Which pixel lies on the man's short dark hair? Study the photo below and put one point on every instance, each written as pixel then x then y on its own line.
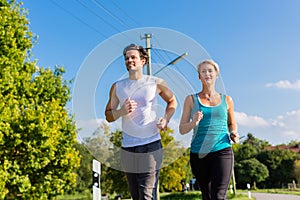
pixel 140 49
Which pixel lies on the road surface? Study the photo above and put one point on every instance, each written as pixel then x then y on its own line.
pixel 268 196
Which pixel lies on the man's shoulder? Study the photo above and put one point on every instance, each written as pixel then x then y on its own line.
pixel 121 80
pixel 157 79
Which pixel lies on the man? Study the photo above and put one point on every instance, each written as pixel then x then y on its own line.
pixel 134 99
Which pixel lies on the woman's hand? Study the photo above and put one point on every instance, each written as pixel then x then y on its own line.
pixel 197 117
pixel 234 137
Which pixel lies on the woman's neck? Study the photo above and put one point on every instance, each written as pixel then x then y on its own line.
pixel 208 93
pixel 209 90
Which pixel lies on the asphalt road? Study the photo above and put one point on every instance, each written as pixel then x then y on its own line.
pixel 265 196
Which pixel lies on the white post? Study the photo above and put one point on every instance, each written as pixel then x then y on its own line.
pixel 249 192
pixel 294 185
pixel 231 189
pixel 96 180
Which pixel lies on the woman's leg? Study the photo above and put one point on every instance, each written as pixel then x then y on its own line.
pixel 201 169
pixel 222 166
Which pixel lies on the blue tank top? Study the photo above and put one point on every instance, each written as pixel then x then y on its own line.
pixel 212 133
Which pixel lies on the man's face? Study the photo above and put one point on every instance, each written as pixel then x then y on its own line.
pixel 133 60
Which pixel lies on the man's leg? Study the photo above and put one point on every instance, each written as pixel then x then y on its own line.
pixel 148 185
pixel 150 161
pixel 133 185
pixel 142 165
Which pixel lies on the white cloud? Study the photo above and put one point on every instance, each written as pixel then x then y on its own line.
pixel 89 123
pixel 87 127
pixel 282 129
pixel 290 119
pixel 285 84
pixel 251 121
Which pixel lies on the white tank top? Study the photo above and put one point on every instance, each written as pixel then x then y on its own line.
pixel 139 127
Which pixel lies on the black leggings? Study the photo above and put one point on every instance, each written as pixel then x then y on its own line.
pixel 213 173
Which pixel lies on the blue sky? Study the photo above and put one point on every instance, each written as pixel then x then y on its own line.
pixel 256 44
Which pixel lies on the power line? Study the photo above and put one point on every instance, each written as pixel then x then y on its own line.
pixel 159 55
pixel 115 4
pixel 110 13
pixel 157 41
pixel 78 19
pixel 86 7
pixel 97 15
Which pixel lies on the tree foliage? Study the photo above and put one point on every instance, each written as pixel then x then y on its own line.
pixel 244 152
pixel 249 167
pixel 251 171
pixel 84 173
pixel 297 171
pixel 113 181
pixel 257 143
pixel 104 146
pixel 280 164
pixel 37 156
pixel 176 166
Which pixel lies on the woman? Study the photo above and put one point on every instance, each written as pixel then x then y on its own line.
pixel 211 115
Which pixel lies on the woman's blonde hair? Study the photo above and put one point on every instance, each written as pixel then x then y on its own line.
pixel 211 62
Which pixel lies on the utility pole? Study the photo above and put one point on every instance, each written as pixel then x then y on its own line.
pixel 148 48
pixel 147 36
pixel 149 72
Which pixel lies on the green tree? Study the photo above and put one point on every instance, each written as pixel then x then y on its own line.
pixel 114 181
pixel 175 165
pixel 280 164
pixel 37 135
pixel 294 143
pixel 244 152
pixel 104 146
pixel 84 173
pixel 250 171
pixel 297 171
pixel 258 144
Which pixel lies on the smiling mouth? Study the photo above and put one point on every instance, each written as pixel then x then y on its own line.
pixel 130 65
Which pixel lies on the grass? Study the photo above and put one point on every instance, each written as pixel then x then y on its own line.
pixel 163 196
pixel 195 196
pixel 180 195
pixel 279 191
pixel 87 195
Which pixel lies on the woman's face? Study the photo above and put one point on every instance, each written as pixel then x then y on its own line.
pixel 207 73
pixel 133 60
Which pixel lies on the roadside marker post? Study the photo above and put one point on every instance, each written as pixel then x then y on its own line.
pixel 96 180
pixel 249 192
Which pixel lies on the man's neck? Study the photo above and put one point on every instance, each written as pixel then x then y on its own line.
pixel 135 75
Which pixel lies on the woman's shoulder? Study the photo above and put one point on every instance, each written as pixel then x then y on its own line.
pixel 228 99
pixel 190 98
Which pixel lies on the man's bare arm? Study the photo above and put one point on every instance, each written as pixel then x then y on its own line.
pixel 112 113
